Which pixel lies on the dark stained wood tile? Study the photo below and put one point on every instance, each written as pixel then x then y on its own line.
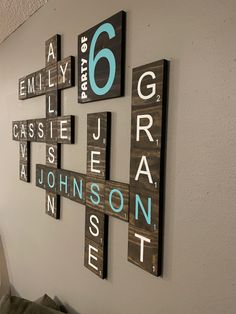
pixel 117 200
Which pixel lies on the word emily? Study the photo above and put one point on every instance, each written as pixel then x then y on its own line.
pixel 101 76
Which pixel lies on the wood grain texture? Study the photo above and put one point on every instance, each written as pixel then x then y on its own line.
pixel 24 151
pixel 50 177
pixel 116 44
pixel 24 161
pixel 149 260
pixel 117 200
pixel 31 86
pixel 53 155
pixel 53 50
pixel 52 205
pixel 63 182
pixel 53 104
pixel 98 140
pixel 23 130
pixel 66 72
pixel 22 90
pixel 41 130
pixel 149 91
pixel 77 187
pixel 52 130
pixel 97 258
pixel 98 144
pixel 16 130
pixel 95 193
pixel 96 226
pixel 40 86
pixel 48 78
pixel 40 176
pixel 51 77
pixel 32 127
pixel 96 162
pixel 24 171
pixel 66 130
pixel 98 129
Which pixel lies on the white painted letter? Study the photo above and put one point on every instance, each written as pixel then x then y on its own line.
pixel 151 86
pixel 51 204
pixel 144 127
pixel 63 71
pixel 90 256
pixel 50 52
pixel 143 239
pixel 51 152
pixel 94 161
pixel 96 137
pixel 63 129
pixel 94 217
pixel 146 172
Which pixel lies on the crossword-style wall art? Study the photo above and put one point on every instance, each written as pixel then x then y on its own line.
pixel 139 203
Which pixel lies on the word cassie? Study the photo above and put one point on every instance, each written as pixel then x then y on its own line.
pixel 58 130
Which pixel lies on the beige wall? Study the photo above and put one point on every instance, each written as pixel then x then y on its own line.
pixel 44 255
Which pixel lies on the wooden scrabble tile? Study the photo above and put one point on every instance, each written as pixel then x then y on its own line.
pixel 96 226
pixel 41 176
pixel 24 151
pixel 53 50
pixel 77 187
pixel 143 250
pixel 63 182
pixel 117 200
pixel 31 85
pixel 52 205
pixel 95 193
pixel 53 104
pixel 24 171
pixel 66 72
pixel 51 130
pixel 66 129
pixel 40 87
pixel 32 127
pixel 41 130
pixel 51 77
pixel 53 155
pixel 95 258
pixel 24 130
pixel 22 94
pixel 16 130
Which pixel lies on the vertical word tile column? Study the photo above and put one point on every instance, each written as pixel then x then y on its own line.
pixel 147 165
pixel 53 109
pixel 98 166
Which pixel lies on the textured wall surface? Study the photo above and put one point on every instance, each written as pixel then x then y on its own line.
pixel 15 12
pixel 44 255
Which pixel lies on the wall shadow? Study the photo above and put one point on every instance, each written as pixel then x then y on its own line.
pixel 4 279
